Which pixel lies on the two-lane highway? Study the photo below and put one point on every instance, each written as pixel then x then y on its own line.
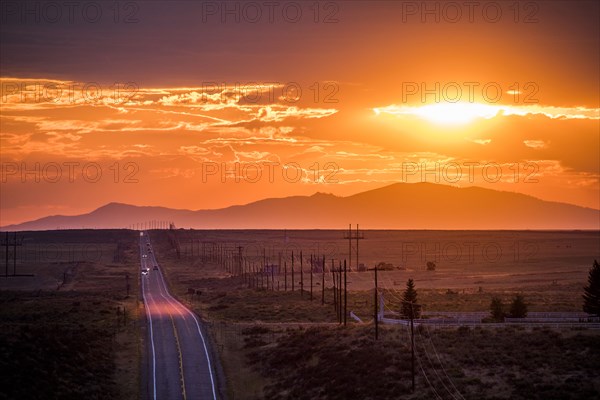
pixel 179 365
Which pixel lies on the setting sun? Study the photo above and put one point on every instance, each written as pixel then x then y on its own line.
pixel 458 113
pixel 447 114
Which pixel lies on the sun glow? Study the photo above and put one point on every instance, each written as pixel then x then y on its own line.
pixel 447 114
pixel 465 113
pixel 457 113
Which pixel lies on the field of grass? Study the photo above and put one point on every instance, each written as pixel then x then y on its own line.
pixel 70 331
pixel 338 363
pixel 551 280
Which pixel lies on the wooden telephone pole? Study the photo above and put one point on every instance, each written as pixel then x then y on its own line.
pixel 412 339
pixel 323 283
pixel 345 294
pixel 16 242
pixel 239 269
pixel 340 302
pixel 375 314
pixel 301 275
pixel 311 276
pixel 333 280
pixel 356 236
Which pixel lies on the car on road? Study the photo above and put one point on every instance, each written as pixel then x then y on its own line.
pixel 156 267
pixel 145 271
pixel 144 256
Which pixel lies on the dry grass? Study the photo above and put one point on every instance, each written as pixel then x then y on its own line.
pixel 94 349
pixel 243 382
pixel 492 364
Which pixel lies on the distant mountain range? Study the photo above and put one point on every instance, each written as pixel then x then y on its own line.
pixel 397 206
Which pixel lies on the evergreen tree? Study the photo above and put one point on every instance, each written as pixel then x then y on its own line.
pixel 410 296
pixel 497 309
pixel 591 293
pixel 518 308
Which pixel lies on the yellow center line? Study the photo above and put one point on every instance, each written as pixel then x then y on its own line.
pixel 180 358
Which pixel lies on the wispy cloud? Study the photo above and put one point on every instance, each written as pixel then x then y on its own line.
pixel 535 144
pixel 466 112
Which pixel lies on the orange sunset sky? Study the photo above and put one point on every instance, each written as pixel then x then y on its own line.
pixel 186 105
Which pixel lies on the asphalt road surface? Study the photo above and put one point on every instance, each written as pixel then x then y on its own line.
pixel 179 365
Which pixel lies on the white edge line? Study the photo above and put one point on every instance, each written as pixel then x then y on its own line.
pixel 178 310
pixel 212 381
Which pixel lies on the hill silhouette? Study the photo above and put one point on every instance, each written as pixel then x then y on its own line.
pixel 397 206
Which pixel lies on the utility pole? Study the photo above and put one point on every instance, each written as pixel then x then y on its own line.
pixel 323 283
pixel 412 339
pixel 412 345
pixel 239 259
pixel 15 254
pixel 356 236
pixel 311 276
pixel 340 309
pixel 14 244
pixel 301 275
pixel 272 277
pixel 293 279
pixel 333 279
pixel 345 295
pixel 6 247
pixel 350 246
pixel 264 267
pixel 375 316
pixel 285 275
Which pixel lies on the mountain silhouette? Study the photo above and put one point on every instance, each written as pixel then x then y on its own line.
pixel 397 206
